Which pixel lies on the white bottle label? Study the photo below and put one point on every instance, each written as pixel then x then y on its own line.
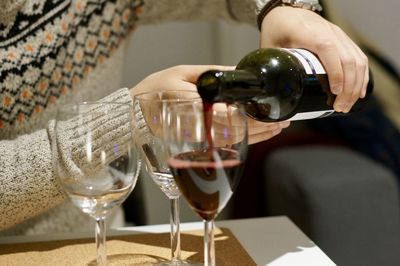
pixel 310 62
pixel 311 65
pixel 311 115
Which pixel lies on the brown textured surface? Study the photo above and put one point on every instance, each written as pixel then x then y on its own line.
pixel 139 249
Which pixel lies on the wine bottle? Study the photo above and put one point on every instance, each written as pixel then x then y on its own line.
pixel 275 84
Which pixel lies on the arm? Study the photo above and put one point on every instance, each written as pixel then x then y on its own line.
pixel 27 183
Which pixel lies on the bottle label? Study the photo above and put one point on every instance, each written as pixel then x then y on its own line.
pixel 311 63
pixel 312 66
pixel 311 115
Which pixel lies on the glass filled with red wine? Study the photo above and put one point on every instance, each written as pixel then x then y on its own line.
pixel 207 147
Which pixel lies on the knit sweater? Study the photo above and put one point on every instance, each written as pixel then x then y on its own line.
pixel 54 52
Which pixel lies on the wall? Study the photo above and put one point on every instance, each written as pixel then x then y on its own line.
pixel 377 20
pixel 153 48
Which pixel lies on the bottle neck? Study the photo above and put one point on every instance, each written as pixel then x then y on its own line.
pixel 229 86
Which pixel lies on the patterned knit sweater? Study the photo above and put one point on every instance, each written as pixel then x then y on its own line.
pixel 54 52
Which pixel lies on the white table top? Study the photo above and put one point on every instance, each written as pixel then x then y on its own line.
pixel 273 241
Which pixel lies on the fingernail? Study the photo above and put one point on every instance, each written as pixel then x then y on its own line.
pixel 347 109
pixel 285 124
pixel 336 89
pixel 276 132
pixel 340 107
pixel 363 94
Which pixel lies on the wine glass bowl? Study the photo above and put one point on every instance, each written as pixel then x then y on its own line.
pixel 150 111
pixel 99 194
pixel 95 159
pixel 207 147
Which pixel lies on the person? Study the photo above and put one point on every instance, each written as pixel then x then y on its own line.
pixel 374 132
pixel 58 52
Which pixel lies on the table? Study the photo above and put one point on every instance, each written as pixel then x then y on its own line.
pixel 272 241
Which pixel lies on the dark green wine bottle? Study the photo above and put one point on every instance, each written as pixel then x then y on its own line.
pixel 275 84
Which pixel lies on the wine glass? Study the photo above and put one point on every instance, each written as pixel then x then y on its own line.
pixel 150 110
pixel 95 160
pixel 208 147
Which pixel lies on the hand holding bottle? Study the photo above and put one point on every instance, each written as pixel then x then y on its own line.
pixel 344 62
pixel 185 77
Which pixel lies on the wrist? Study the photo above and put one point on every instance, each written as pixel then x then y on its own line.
pixel 312 5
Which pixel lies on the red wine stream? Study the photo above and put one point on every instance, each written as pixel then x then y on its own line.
pixel 207 112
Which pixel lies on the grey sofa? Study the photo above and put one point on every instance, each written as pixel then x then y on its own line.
pixel 347 204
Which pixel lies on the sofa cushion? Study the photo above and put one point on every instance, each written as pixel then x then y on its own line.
pixel 348 204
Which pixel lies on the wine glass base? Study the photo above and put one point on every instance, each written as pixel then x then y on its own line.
pixel 178 263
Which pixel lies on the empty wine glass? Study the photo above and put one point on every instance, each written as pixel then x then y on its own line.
pixel 95 159
pixel 150 110
pixel 207 147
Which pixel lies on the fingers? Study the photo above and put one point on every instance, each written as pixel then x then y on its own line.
pixel 179 85
pixel 261 127
pixel 365 83
pixel 255 133
pixel 354 65
pixel 263 136
pixel 259 131
pixel 346 65
pixel 223 140
pixel 228 124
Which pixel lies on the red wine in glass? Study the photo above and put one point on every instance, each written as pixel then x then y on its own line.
pixel 207 113
pixel 207 178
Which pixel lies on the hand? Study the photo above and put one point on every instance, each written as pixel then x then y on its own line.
pixel 261 131
pixel 257 131
pixel 182 77
pixel 185 77
pixel 344 62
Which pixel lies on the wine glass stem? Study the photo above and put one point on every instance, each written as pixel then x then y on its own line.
pixel 175 230
pixel 209 248
pixel 101 242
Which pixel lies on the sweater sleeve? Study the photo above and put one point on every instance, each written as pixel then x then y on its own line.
pixel 155 11
pixel 28 185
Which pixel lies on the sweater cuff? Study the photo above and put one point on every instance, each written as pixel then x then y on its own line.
pixel 119 96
